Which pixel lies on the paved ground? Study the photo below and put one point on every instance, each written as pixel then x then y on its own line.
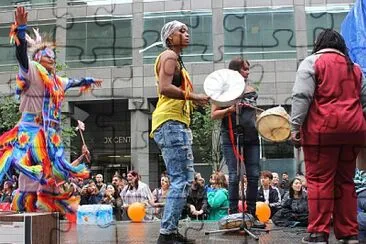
pixel 135 233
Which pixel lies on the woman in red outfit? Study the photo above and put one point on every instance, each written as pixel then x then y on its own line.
pixel 328 122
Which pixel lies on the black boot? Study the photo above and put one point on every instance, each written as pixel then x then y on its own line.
pixel 174 238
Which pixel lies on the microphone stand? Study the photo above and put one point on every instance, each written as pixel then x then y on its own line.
pixel 239 163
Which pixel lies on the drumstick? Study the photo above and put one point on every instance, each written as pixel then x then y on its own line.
pixel 251 106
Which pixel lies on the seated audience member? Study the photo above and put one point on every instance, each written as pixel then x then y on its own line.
pixel 197 207
pixel 137 191
pixel 276 185
pixel 6 196
pixel 218 198
pixel 285 185
pixel 210 186
pixel 244 183
pixel 303 182
pixel 267 194
pixel 108 197
pixel 159 195
pixel 100 184
pixel 360 185
pixel 294 209
pixel 118 185
pixel 90 194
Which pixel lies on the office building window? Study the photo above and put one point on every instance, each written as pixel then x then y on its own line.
pixel 260 33
pixel 322 17
pixel 99 41
pixel 96 2
pixel 200 31
pixel 9 4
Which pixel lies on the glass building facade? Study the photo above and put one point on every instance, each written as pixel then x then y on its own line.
pixel 260 33
pixel 200 31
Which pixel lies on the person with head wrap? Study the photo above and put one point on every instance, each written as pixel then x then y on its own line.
pixel 170 125
pixel 34 146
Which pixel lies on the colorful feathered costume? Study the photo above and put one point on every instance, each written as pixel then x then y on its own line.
pixel 34 147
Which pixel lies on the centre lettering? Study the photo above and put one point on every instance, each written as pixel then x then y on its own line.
pixel 117 140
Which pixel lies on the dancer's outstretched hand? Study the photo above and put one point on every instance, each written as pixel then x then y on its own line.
pixel 21 16
pixel 98 82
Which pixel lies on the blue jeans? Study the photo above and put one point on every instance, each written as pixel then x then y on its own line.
pixel 252 168
pixel 175 142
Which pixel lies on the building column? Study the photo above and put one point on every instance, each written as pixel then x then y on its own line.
pixel 301 54
pixel 61 10
pixel 61 22
pixel 218 34
pixel 300 30
pixel 140 137
pixel 138 104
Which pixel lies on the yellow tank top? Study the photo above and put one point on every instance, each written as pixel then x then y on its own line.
pixel 170 108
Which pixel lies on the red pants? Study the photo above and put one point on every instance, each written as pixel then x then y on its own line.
pixel 331 191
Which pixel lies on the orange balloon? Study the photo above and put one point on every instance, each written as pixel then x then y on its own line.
pixel 136 211
pixel 263 211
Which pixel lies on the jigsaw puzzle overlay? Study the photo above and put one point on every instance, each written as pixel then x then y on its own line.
pixel 102 39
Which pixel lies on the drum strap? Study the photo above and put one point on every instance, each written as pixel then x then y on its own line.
pixel 231 134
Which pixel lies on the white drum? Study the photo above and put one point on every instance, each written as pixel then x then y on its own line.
pixel 274 124
pixel 224 87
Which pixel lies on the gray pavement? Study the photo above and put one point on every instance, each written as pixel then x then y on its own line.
pixel 148 232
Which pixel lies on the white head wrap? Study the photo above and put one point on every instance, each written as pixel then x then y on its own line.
pixel 168 29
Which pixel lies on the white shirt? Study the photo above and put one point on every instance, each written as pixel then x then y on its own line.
pixel 266 195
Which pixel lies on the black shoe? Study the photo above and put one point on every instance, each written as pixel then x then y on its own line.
pixel 316 238
pixel 183 239
pixel 174 238
pixel 349 240
pixel 166 239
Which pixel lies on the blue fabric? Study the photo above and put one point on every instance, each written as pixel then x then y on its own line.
pixel 21 31
pixel 353 31
pixel 77 83
pixel 175 142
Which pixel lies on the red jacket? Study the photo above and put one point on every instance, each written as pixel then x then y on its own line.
pixel 335 113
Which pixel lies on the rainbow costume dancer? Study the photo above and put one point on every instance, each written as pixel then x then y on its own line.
pixel 34 147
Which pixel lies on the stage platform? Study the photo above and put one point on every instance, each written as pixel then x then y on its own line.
pixel 148 232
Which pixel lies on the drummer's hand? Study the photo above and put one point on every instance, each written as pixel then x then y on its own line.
pixel 231 109
pixel 199 99
pixel 296 138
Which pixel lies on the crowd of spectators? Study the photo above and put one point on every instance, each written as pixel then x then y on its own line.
pixel 205 201
pixel 286 198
